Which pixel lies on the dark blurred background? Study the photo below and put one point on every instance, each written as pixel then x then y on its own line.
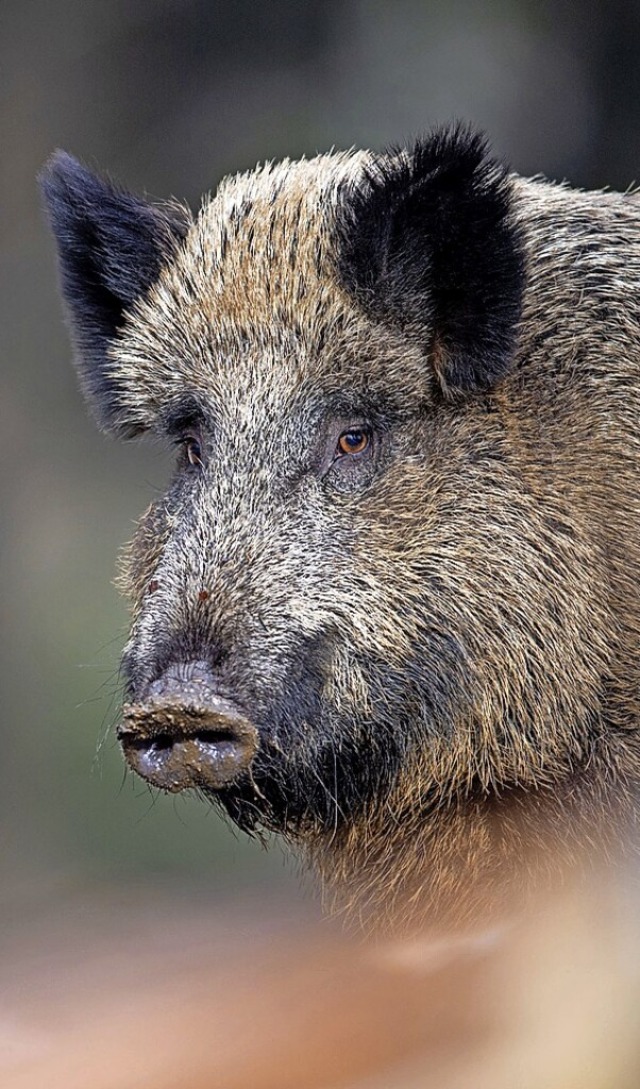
pixel 168 96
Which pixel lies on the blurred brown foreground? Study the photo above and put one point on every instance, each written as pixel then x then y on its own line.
pixel 107 990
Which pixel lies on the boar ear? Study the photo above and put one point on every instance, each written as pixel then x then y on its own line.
pixel 427 242
pixel 111 248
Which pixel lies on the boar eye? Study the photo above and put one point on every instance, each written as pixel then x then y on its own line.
pixel 354 441
pixel 193 450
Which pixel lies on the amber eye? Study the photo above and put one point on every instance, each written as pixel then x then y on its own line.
pixel 194 452
pixel 353 442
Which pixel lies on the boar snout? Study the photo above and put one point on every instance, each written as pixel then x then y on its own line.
pixel 184 735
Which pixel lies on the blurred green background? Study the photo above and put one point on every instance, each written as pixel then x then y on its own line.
pixel 168 96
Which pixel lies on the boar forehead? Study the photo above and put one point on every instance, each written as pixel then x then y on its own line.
pixel 252 308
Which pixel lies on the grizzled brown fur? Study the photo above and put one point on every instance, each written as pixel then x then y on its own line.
pixel 437 637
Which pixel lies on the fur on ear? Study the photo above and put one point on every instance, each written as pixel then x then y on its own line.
pixel 111 248
pixel 427 242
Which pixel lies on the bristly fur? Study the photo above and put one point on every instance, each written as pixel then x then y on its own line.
pixel 437 641
pixel 111 248
pixel 428 241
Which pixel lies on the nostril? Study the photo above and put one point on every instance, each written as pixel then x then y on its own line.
pixel 162 741
pixel 212 737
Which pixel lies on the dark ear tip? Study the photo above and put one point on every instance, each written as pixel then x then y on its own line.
pixel 64 179
pixel 59 167
pixel 60 161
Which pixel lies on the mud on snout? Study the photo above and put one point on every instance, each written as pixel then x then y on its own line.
pixel 184 735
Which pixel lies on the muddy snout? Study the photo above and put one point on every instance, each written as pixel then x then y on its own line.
pixel 183 735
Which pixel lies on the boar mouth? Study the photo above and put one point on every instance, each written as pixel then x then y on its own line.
pixel 181 746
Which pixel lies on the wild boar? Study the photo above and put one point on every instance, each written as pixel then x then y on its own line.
pixel 389 605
